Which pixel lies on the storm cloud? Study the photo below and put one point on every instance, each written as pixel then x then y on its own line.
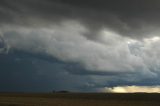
pixel 107 42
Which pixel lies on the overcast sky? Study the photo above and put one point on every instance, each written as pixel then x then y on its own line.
pixel 79 45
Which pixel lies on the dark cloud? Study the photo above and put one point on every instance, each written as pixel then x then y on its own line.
pixel 78 69
pixel 2 43
pixel 26 72
pixel 133 18
pixel 78 44
pixel 127 17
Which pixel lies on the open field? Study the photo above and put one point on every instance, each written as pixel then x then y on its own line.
pixel 79 99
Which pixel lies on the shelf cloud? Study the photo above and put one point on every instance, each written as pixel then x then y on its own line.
pixel 107 42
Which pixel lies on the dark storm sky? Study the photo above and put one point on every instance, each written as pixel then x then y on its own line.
pixel 80 45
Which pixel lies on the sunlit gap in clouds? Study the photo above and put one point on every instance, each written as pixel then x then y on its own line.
pixel 132 89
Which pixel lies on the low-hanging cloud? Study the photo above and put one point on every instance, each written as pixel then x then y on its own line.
pixel 111 42
pixel 110 53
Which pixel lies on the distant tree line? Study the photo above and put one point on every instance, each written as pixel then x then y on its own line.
pixel 62 91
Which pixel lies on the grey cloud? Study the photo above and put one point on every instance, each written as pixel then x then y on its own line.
pixel 25 72
pixel 3 46
pixel 71 46
pixel 130 18
pixel 101 38
pixel 37 73
pixel 111 55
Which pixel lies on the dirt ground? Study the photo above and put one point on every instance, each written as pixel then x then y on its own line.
pixel 79 99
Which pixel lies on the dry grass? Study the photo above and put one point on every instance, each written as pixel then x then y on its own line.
pixel 72 99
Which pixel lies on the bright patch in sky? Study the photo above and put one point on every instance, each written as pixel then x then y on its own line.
pixel 133 89
pixel 153 39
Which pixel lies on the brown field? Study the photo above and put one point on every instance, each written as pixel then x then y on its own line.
pixel 79 99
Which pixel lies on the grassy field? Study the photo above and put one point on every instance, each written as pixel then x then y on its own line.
pixel 79 99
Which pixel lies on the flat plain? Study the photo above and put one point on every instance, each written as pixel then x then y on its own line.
pixel 79 99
